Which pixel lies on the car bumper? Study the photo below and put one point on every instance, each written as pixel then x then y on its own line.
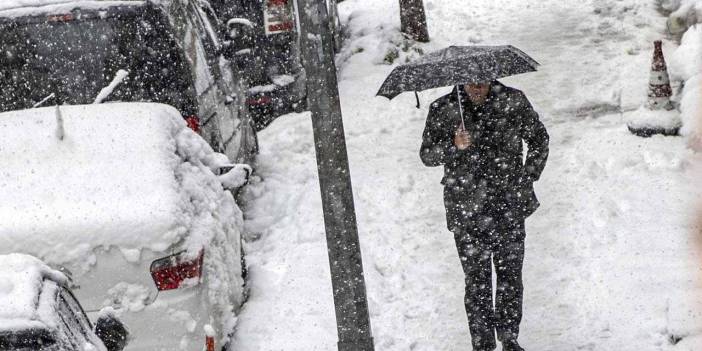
pixel 175 321
pixel 267 102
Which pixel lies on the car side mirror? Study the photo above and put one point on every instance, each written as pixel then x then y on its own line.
pixel 111 330
pixel 239 47
pixel 235 176
pixel 241 31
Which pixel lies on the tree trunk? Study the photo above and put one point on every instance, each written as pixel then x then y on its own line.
pixel 414 20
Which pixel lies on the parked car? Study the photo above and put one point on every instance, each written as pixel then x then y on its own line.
pixel 38 311
pixel 269 30
pixel 67 52
pixel 127 198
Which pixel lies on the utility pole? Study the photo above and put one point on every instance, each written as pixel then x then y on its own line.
pixel 349 288
pixel 413 20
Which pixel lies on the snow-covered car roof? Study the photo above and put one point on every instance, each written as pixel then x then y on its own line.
pixel 22 280
pixel 124 175
pixel 21 8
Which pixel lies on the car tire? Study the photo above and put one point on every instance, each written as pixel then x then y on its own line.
pixel 244 272
pixel 254 147
pixel 300 106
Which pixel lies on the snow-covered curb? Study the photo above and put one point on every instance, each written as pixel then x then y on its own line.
pixel 646 121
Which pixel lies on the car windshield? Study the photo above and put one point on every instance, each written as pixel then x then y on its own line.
pixel 74 59
pixel 30 339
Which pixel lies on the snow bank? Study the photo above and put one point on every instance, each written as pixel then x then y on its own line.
pixel 692 112
pixel 130 176
pixel 685 13
pixel 21 281
pixel 686 65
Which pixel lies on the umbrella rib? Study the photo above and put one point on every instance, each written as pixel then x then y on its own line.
pixel 460 107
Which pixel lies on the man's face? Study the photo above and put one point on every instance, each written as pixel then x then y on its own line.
pixel 477 92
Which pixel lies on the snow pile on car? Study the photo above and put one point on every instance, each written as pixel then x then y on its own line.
pixel 21 281
pixel 20 8
pixel 125 175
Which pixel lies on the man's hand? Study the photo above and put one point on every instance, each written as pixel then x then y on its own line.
pixel 462 139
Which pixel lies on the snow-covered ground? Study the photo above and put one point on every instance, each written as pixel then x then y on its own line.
pixel 612 256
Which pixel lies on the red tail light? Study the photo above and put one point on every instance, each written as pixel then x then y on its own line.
pixel 257 101
pixel 193 123
pixel 279 16
pixel 170 272
pixel 281 27
pixel 60 18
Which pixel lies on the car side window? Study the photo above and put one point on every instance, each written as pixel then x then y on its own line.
pixel 206 23
pixel 195 53
pixel 77 310
pixel 74 329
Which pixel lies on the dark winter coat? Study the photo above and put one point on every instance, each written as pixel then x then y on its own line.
pixel 488 182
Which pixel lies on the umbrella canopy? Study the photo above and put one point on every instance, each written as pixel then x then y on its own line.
pixel 457 65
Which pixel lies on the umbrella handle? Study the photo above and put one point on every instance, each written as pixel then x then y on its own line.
pixel 460 107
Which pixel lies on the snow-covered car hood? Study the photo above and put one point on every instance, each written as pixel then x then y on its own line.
pixel 130 176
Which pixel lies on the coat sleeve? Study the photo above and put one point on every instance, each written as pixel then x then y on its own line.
pixel 533 132
pixel 437 140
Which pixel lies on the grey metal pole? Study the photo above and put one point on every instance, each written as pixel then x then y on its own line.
pixel 349 289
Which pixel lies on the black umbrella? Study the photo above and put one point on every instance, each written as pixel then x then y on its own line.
pixel 457 65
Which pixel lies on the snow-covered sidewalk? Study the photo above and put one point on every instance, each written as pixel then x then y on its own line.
pixel 612 257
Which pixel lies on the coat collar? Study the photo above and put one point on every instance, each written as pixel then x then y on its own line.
pixel 495 88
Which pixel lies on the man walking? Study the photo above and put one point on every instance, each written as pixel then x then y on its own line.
pixel 476 133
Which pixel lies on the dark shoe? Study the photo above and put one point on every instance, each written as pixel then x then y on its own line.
pixel 511 345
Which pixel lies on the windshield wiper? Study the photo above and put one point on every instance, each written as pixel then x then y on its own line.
pixel 106 91
pixel 44 100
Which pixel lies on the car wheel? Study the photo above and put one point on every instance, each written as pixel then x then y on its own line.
pixel 300 106
pixel 252 140
pixel 244 271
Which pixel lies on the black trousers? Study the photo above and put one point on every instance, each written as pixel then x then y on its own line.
pixel 478 249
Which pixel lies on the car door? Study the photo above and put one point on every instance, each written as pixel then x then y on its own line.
pixel 203 77
pixel 232 109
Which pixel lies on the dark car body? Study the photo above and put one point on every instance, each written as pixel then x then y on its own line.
pixel 172 53
pixel 54 319
pixel 72 332
pixel 276 75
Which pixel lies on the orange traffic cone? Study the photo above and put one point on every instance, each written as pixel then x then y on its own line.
pixel 658 116
pixel 659 91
